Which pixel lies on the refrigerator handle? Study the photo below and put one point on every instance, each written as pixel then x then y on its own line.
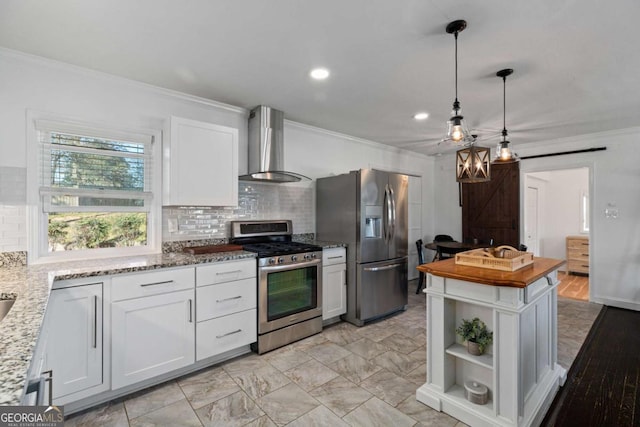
pixel 392 197
pixel 385 214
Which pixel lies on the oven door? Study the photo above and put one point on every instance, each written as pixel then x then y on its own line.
pixel 288 294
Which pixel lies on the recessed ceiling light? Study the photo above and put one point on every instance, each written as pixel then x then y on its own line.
pixel 319 73
pixel 421 116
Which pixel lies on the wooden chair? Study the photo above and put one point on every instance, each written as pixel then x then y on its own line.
pixel 421 277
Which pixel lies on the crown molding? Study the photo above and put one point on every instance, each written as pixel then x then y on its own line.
pixel 355 139
pixel 42 61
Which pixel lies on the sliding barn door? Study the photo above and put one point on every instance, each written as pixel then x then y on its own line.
pixel 491 210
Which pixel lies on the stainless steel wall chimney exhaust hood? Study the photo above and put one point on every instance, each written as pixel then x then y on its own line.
pixel 266 147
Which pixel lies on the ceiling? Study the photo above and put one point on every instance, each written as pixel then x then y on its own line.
pixel 576 62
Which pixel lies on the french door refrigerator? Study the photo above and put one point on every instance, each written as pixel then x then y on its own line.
pixel 367 210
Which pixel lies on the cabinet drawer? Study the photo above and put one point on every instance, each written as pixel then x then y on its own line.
pixel 155 282
pixel 226 333
pixel 577 255
pixel 578 266
pixel 334 256
pixel 225 298
pixel 579 244
pixel 225 272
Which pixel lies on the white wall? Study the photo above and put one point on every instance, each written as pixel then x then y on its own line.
pixel 614 179
pixel 32 83
pixel 561 208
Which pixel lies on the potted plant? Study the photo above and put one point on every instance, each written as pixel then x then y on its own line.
pixel 476 334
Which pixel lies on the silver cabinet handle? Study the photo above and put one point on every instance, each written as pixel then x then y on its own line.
pixel 335 257
pixel 220 273
pixel 49 379
pixel 95 321
pixel 229 299
pixel 229 333
pixel 190 310
pixel 386 267
pixel 166 282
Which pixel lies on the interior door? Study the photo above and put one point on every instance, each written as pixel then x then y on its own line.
pixel 531 220
pixel 491 210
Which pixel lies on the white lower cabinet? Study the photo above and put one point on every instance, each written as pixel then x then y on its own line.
pixel 102 338
pixel 153 334
pixel 225 333
pixel 74 351
pixel 334 282
pixel 226 309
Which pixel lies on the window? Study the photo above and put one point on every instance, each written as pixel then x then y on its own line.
pixel 584 211
pixel 95 192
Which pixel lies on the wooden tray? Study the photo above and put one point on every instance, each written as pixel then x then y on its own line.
pixel 512 259
pixel 209 249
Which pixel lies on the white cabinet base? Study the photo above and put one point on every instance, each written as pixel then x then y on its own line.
pixel 520 368
pixel 455 404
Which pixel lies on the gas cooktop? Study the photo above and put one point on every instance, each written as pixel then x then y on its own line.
pixel 269 249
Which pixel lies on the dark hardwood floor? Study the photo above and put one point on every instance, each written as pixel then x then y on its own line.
pixel 603 384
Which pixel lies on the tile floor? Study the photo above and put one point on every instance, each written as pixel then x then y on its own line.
pixel 345 376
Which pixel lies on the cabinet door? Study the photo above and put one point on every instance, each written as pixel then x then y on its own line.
pixel 334 290
pixel 203 164
pixel 74 345
pixel 151 336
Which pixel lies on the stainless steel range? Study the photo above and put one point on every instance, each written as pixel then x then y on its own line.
pixel 289 282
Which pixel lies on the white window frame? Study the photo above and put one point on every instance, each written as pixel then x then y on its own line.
pixel 37 230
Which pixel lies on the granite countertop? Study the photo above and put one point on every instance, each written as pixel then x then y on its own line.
pixel 32 284
pixel 324 244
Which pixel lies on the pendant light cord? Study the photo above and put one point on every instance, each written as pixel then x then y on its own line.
pixel 504 104
pixel 456 62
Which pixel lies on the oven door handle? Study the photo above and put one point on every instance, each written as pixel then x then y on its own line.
pixel 269 268
pixel 386 267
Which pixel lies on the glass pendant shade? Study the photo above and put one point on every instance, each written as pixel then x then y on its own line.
pixel 473 164
pixel 504 153
pixel 457 130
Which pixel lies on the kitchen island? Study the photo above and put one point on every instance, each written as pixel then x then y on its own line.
pixel 520 368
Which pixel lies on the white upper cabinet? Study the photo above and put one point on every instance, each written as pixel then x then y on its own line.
pixel 200 164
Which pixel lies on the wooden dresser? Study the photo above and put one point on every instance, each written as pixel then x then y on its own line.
pixel 578 254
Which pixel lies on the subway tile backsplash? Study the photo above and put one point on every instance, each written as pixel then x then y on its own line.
pixel 255 201
pixel 13 218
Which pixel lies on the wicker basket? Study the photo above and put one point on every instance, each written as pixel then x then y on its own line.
pixel 511 260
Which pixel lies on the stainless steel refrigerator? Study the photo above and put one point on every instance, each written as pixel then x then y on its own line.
pixel 367 209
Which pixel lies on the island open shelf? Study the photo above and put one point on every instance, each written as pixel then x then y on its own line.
pixel 520 368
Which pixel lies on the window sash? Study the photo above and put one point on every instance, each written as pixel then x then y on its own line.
pixel 48 190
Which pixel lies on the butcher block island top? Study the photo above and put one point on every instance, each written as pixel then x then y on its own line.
pixel 516 279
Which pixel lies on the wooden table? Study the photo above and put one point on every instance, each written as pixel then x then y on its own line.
pixel 453 247
pixel 520 368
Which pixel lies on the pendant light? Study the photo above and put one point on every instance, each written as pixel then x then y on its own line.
pixel 457 130
pixel 473 164
pixel 503 152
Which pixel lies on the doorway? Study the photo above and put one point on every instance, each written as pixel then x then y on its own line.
pixel 556 224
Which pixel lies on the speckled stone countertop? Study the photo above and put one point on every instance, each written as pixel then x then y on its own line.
pixel 322 243
pixel 31 285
